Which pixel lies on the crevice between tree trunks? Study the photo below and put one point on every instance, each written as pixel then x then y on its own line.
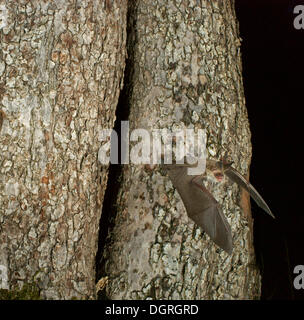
pixel 109 209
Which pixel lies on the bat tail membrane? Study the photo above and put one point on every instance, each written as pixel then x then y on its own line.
pixel 236 177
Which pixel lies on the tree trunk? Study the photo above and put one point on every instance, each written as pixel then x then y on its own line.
pixel 186 73
pixel 61 68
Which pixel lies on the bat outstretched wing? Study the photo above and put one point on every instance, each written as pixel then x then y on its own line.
pixel 236 177
pixel 201 206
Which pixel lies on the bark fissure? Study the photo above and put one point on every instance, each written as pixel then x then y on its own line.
pixel 109 208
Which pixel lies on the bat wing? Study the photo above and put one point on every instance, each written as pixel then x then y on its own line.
pixel 236 177
pixel 201 206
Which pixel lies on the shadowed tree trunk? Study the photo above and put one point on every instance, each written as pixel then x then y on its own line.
pixel 186 72
pixel 61 68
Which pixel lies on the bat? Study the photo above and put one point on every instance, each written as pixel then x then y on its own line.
pixel 200 204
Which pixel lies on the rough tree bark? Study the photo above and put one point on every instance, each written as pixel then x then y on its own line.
pixel 61 68
pixel 186 73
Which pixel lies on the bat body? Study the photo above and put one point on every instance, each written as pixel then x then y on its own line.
pixel 202 207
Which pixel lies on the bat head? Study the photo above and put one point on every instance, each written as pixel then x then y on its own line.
pixel 218 174
pixel 216 169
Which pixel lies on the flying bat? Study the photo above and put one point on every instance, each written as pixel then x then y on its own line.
pixel 200 204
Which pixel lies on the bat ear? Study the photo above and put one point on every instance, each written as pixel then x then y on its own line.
pixel 226 161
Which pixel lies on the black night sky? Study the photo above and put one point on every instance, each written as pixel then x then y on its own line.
pixel 273 73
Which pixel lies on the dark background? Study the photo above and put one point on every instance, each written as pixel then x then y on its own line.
pixel 273 73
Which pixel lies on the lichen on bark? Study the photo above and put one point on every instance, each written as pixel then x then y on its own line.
pixel 186 73
pixel 61 66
